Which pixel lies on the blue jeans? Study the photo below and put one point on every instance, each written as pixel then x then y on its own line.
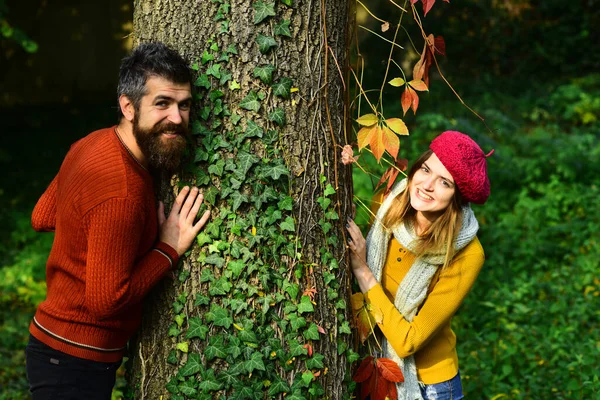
pixel 448 390
pixel 54 375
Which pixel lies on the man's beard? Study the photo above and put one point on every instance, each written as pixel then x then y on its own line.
pixel 162 154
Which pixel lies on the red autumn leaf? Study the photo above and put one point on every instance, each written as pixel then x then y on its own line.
pixel 389 370
pixel 439 45
pixel 364 371
pixel 320 329
pixel 376 143
pixel 379 386
pixel 309 348
pixel 391 142
pixel 427 4
pixel 392 392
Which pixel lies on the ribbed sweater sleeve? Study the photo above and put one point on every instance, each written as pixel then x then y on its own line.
pixel 43 218
pixel 114 278
pixel 441 304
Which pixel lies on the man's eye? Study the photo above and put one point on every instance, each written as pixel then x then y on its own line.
pixel 162 104
pixel 185 106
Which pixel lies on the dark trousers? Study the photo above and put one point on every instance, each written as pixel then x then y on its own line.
pixel 56 375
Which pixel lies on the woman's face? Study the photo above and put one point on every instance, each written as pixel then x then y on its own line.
pixel 431 188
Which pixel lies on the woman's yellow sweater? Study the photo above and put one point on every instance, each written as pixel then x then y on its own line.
pixel 429 336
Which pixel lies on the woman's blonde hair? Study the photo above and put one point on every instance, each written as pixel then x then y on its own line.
pixel 440 236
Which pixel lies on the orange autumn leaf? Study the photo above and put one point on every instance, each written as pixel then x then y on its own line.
pixel 397 125
pixel 376 142
pixel 364 137
pixel 391 142
pixel 418 84
pixel 419 68
pixel 406 100
pixel 366 316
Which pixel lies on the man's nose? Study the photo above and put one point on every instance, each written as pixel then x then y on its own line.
pixel 175 115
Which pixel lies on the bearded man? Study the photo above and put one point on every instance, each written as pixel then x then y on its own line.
pixel 111 244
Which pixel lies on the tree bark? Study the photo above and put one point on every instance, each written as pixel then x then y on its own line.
pixel 310 141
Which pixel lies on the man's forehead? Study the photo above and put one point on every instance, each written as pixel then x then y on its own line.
pixel 159 86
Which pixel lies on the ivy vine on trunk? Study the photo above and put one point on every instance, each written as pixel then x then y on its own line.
pixel 260 306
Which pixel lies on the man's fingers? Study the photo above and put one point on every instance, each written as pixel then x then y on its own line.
pixel 179 200
pixel 202 221
pixel 161 213
pixel 194 211
pixel 189 202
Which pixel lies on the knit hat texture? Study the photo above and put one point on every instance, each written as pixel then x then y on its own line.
pixel 465 161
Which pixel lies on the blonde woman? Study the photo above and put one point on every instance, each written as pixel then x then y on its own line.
pixel 419 261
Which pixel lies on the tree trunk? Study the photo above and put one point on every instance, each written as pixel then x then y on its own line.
pixel 260 306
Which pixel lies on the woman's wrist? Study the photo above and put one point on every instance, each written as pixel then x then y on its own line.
pixel 366 279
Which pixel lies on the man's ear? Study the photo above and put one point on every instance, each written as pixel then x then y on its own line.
pixel 127 108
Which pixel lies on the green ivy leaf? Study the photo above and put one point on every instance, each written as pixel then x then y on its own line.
pixel 196 329
pixel 174 331
pixel 203 81
pixel 236 267
pixel 216 168
pixel 209 385
pixel 183 346
pixel 179 318
pixel 215 259
pixel 238 198
pixel 315 362
pixel 329 190
pixel 215 94
pixel 263 11
pixel 265 43
pixel 297 322
pixel 211 195
pixel 225 77
pixel 286 204
pixel 220 287
pixel 287 2
pixel 278 116
pixel 215 348
pixel 312 332
pixel 227 378
pixel 283 28
pixel 250 102
pixel 172 385
pixel 264 73
pixel 188 387
pixel 345 328
pixel 305 305
pixel 206 57
pixel 201 300
pixel 246 160
pixel 234 85
pixel 172 358
pixel 232 49
pixel 282 87
pixel 253 130
pixel 307 377
pixel 297 349
pixel 278 386
pixel 247 336
pixel 291 288
pixel 255 362
pixel 324 202
pixel 219 316
pixel 352 356
pixel 275 171
pixel 237 368
pixel 288 225
pixel 214 70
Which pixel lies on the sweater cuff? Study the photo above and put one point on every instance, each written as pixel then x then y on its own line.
pixel 376 295
pixel 168 252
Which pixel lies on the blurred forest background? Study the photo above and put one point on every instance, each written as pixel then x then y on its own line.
pixel 529 329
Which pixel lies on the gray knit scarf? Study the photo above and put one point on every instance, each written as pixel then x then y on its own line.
pixel 413 288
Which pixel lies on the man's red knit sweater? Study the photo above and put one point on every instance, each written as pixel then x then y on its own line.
pixel 105 257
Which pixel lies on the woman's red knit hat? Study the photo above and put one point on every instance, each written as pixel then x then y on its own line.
pixel 465 161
